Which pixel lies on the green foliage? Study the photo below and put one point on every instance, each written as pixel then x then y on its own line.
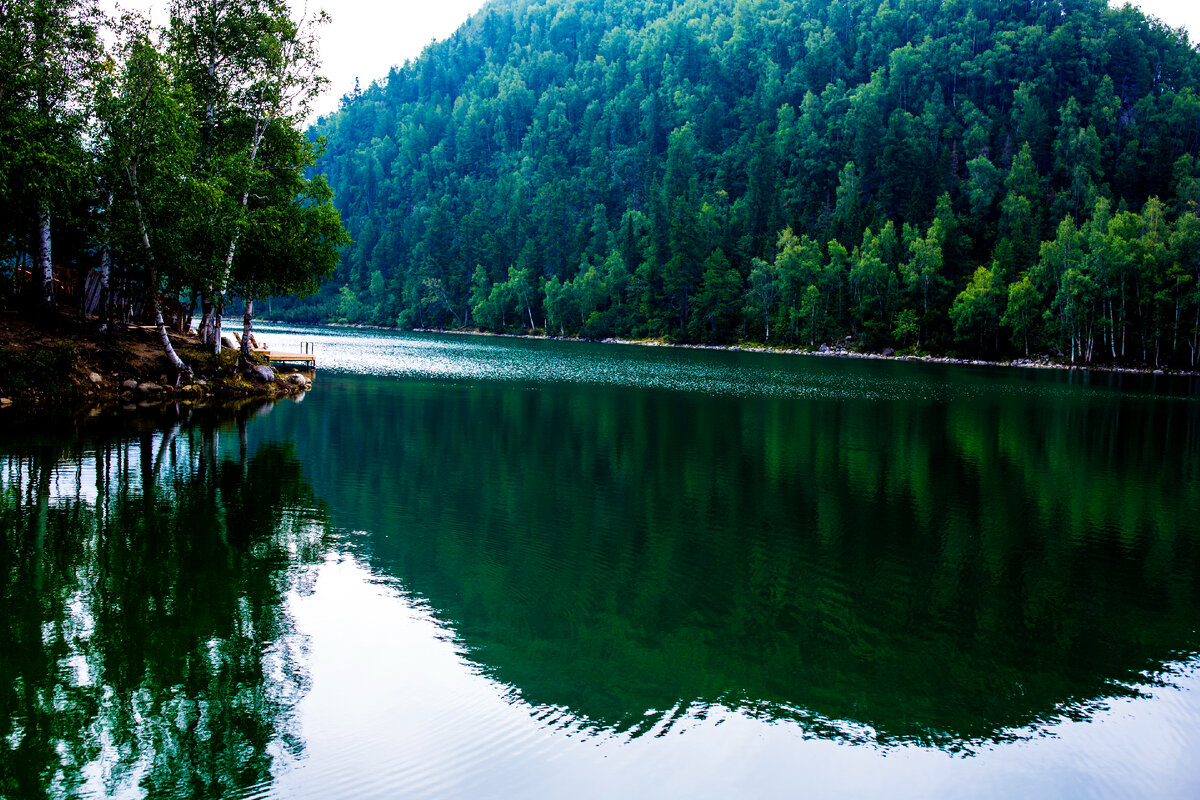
pixel 48 367
pixel 906 326
pixel 661 133
pixel 976 309
pixel 49 67
pixel 1023 311
pixel 177 152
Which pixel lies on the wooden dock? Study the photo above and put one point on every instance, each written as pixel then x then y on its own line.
pixel 280 357
pixel 302 358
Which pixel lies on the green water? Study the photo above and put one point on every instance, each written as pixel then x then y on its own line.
pixel 470 566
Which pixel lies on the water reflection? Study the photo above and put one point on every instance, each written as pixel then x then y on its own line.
pixel 549 577
pixel 146 649
pixel 951 573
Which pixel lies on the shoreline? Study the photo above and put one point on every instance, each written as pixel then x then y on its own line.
pixel 67 366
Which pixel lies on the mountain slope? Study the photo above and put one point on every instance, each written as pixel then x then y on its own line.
pixel 709 170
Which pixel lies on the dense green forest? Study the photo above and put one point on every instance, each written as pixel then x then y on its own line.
pixel 966 176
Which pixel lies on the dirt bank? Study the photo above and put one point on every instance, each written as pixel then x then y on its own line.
pixel 65 362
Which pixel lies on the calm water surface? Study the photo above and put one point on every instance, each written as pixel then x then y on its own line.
pixel 468 566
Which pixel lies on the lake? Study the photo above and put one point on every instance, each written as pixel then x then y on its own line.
pixel 485 567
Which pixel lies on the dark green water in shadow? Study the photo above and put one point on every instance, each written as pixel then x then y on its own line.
pixel 616 542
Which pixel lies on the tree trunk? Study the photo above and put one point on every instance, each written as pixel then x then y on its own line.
pixel 1196 336
pixel 103 312
pixel 207 308
pixel 181 368
pixel 245 355
pixel 191 313
pixel 1122 320
pixel 43 262
pixel 218 311
pixel 259 131
pixel 1112 330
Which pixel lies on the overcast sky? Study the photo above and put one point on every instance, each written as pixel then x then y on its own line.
pixel 367 37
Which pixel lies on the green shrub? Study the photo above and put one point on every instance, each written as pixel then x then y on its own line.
pixel 43 369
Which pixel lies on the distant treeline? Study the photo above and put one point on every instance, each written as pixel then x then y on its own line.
pixel 972 176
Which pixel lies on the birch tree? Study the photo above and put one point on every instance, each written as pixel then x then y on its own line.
pixel 253 70
pixel 147 149
pixel 49 59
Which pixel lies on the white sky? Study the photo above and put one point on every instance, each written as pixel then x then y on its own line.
pixel 364 39
pixel 1176 13
pixel 368 37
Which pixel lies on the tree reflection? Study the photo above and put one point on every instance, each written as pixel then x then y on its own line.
pixel 945 573
pixel 145 638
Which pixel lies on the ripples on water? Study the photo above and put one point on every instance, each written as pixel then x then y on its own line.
pixel 467 357
pixel 474 566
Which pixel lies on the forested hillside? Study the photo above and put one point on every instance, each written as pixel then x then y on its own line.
pixel 965 175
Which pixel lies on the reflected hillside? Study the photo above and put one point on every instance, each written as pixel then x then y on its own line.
pixel 143 572
pixel 947 573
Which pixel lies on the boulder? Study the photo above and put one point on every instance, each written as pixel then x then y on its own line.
pixel 95 378
pixel 149 387
pixel 129 384
pixel 229 342
pixel 297 379
pixel 263 372
pixel 823 348
pixel 888 352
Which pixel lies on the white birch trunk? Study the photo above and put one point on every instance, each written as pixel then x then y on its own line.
pixel 176 362
pixel 105 269
pixel 246 330
pixel 44 264
pixel 260 130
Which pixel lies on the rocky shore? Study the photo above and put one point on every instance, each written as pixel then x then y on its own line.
pixel 69 363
